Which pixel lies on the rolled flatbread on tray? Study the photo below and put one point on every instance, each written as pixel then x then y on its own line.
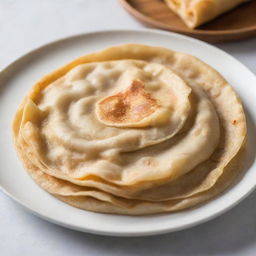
pixel 197 12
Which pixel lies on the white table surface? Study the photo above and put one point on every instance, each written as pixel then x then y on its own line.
pixel 26 24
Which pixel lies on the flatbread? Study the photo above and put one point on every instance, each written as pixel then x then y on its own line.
pixel 176 159
pixel 197 12
pixel 91 199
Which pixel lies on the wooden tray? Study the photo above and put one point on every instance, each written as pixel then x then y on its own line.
pixel 236 24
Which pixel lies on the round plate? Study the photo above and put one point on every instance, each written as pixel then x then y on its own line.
pixel 17 79
pixel 238 23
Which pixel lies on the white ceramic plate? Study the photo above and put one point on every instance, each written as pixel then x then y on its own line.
pixel 16 80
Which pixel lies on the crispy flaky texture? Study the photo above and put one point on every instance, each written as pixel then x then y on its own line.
pixel 152 191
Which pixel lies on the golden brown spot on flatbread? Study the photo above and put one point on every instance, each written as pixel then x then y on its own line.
pixel 151 162
pixel 130 106
pixel 176 3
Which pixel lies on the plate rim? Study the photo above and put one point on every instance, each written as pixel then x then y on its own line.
pixel 124 233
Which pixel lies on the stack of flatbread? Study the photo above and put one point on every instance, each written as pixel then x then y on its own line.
pixel 197 12
pixel 132 129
